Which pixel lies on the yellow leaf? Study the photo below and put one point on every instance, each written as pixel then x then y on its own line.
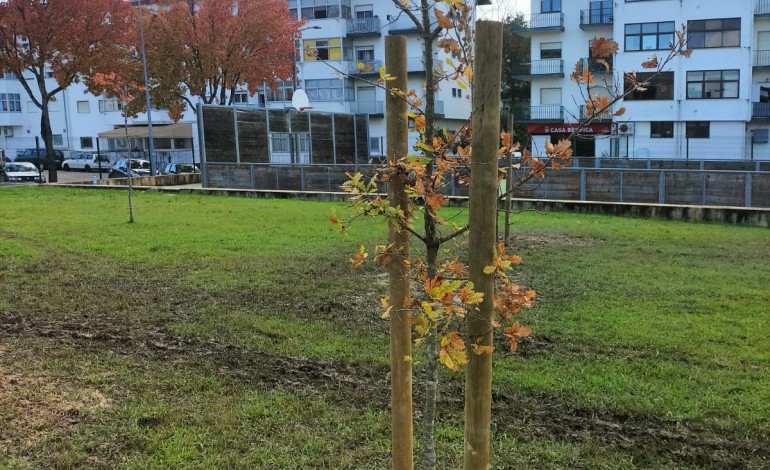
pixel 490 269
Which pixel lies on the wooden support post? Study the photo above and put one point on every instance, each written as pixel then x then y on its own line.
pixel 396 130
pixel 482 239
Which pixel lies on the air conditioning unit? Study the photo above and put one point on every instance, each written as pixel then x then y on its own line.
pixel 8 131
pixel 626 128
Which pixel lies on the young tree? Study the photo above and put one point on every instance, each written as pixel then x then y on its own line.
pixel 68 38
pixel 207 48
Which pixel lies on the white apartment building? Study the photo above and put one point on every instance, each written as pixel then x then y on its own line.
pixel 714 105
pixel 343 32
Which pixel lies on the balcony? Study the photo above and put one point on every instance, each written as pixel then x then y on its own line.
pixel 542 113
pixel 762 8
pixel 402 24
pixel 590 19
pixel 368 107
pixel 415 65
pixel 364 27
pixel 761 58
pixel 370 67
pixel 760 110
pixel 539 68
pixel 597 66
pixel 543 22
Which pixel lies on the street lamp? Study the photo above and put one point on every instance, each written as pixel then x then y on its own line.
pixel 148 101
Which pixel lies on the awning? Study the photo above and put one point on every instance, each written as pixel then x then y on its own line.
pixel 180 130
pixel 568 128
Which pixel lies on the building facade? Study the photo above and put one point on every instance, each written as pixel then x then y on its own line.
pixel 713 105
pixel 337 36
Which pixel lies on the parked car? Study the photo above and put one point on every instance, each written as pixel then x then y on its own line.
pixel 31 156
pixel 139 167
pixel 20 172
pixel 86 161
pixel 177 168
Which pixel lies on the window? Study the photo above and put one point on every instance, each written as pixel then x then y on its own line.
pixel 10 76
pixel 280 142
pixel 697 129
pixel 86 142
pixel 550 50
pixel 49 74
pixel 58 140
pixel 320 9
pixel 84 107
pixel 374 145
pixel 330 89
pixel 598 64
pixel 549 6
pixel 660 87
pixel 365 54
pixel 600 12
pixel 293 8
pixel 661 129
pixel 110 105
pixel 364 11
pixel 457 93
pixel 240 97
pixel 10 102
pixel 649 36
pixel 323 49
pixel 550 96
pixel 714 33
pixel 284 91
pixel 712 84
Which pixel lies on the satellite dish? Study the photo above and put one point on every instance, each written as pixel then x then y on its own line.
pixel 300 100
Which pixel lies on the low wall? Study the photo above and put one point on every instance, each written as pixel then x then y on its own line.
pixel 160 180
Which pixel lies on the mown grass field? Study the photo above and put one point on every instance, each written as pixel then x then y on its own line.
pixel 232 333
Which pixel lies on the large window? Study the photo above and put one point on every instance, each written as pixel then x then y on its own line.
pixel 320 9
pixel 662 130
pixel 649 36
pixel 323 49
pixel 86 142
pixel 698 129
pixel 714 33
pixel 712 84
pixel 549 6
pixel 10 102
pixel 284 91
pixel 550 50
pixel 109 105
pixel 330 89
pixel 659 87
pixel 240 97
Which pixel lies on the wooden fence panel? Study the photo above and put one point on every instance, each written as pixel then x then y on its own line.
pixel 760 190
pixel 726 189
pixel 603 186
pixel 640 187
pixel 684 188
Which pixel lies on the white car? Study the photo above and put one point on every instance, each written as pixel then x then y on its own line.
pixel 20 172
pixel 87 162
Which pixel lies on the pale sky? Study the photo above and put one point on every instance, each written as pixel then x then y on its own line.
pixel 501 7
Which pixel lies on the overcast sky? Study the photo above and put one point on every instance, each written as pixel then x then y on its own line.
pixel 503 7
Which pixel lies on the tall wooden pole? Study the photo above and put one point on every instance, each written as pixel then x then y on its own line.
pixel 482 238
pixel 398 269
pixel 508 183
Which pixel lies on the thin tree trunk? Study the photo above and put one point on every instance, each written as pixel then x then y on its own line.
pixel 47 134
pixel 482 238
pixel 398 268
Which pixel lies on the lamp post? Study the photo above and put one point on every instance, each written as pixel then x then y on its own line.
pixel 148 101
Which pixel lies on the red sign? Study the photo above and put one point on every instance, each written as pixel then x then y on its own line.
pixel 568 128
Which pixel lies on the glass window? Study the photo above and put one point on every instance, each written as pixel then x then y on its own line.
pixel 714 33
pixel 86 142
pixel 698 129
pixel 655 87
pixel 322 49
pixel 550 50
pixel 713 84
pixel 662 130
pixel 325 89
pixel 10 102
pixel 648 36
pixel 84 107
pixel 548 6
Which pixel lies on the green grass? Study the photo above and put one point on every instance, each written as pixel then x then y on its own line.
pixel 232 333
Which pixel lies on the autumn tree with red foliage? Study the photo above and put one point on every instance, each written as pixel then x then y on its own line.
pixel 70 38
pixel 207 48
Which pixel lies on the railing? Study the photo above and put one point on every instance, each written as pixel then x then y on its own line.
pixel 367 107
pixel 415 64
pixel 762 7
pixel 761 58
pixel 549 112
pixel 544 21
pixel 369 66
pixel 595 18
pixel 606 116
pixel 760 110
pixel 363 26
pixel 403 24
pixel 552 67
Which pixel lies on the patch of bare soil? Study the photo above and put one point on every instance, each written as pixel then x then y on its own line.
pixel 537 241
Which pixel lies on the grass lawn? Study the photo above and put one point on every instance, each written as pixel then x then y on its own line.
pixel 223 332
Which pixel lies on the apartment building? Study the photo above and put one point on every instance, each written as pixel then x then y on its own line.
pixel 713 105
pixel 341 34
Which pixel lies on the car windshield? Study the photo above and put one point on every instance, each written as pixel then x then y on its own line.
pixel 19 167
pixel 139 164
pixel 185 168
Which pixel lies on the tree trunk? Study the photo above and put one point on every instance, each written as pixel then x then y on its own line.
pixel 398 268
pixel 47 134
pixel 482 238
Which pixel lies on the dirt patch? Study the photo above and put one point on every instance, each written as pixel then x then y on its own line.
pixel 538 241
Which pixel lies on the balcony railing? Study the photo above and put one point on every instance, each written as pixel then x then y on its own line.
pixel 369 67
pixel 540 68
pixel 596 65
pixel 364 27
pixel 403 24
pixel 544 22
pixel 761 58
pixel 415 64
pixel 367 107
pixel 551 112
pixel 595 18
pixel 760 110
pixel 762 7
